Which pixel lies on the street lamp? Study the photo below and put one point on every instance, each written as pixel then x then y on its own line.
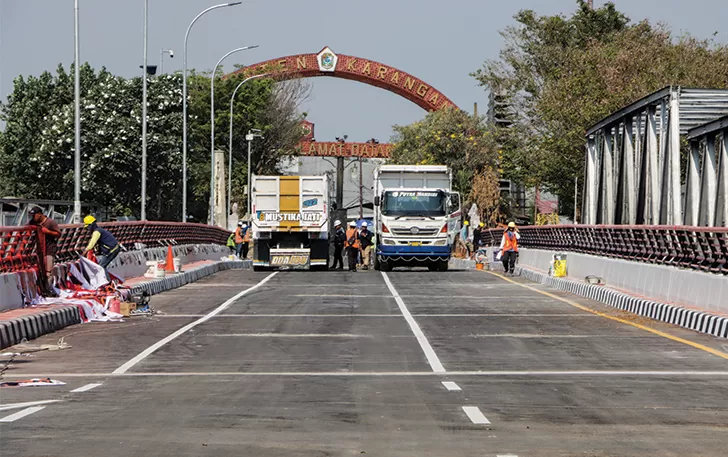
pixel 77 120
pixel 230 136
pixel 184 105
pixel 144 116
pixel 161 59
pixel 212 129
pixel 252 134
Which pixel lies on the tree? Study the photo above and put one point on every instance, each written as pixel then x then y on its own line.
pixel 37 146
pixel 564 74
pixel 454 138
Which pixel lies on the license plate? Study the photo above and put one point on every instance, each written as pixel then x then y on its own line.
pixel 415 243
pixel 288 260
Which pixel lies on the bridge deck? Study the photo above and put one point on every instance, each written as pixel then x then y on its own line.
pixel 338 363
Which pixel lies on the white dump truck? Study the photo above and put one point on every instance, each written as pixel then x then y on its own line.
pixel 290 225
pixel 416 216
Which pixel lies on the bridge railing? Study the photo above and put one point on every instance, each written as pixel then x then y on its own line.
pixel 19 246
pixel 698 248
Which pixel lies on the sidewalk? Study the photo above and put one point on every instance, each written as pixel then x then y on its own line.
pixel 32 322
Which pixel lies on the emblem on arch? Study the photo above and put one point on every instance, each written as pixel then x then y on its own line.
pixel 327 60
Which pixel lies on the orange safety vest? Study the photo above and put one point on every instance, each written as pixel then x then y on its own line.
pixel 511 243
pixel 351 233
pixel 246 238
pixel 238 236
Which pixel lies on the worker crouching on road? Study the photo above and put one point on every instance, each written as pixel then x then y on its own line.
pixel 352 245
pixel 339 241
pixel 106 246
pixel 365 241
pixel 509 247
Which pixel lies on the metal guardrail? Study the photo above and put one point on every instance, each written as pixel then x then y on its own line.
pixel 19 245
pixel 698 248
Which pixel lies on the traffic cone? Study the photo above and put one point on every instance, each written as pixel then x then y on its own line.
pixel 169 265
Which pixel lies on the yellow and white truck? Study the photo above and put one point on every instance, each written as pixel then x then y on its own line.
pixel 290 225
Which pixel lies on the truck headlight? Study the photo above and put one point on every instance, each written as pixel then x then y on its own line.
pixel 388 242
pixel 441 242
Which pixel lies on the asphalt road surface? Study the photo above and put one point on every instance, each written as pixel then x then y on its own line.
pixel 411 363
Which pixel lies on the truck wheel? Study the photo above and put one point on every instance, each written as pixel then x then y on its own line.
pixel 258 268
pixel 385 266
pixel 377 265
pixel 443 265
pixel 433 266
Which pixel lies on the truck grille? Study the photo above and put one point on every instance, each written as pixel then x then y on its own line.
pixel 408 232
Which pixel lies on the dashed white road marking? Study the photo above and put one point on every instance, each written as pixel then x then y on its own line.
pixel 475 416
pixel 451 386
pixel 432 358
pixel 86 388
pixel 22 414
pixel 26 404
pixel 151 349
pixel 293 335
pixel 506 455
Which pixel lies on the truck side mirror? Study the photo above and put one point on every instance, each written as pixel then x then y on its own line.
pixel 376 201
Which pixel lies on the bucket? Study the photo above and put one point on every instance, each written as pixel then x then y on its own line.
pixel 559 265
pixel 177 265
pixel 478 266
pixel 155 269
pixel 159 270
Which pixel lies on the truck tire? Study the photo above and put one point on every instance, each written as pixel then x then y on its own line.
pixel 443 265
pixel 377 265
pixel 258 268
pixel 433 266
pixel 385 266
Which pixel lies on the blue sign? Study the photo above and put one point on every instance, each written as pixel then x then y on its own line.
pixel 310 202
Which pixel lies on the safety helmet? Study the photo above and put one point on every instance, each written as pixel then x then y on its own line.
pixel 352 224
pixel 88 220
pixel 466 223
pixel 511 225
pixel 364 224
pixel 240 223
pixel 482 224
pixel 337 222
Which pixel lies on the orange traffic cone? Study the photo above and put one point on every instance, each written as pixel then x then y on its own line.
pixel 169 265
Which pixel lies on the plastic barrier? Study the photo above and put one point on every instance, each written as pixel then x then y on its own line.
pixel 19 246
pixel 699 248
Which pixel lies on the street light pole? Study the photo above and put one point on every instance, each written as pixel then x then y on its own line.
pixel 184 105
pixel 144 116
pixel 252 134
pixel 230 137
pixel 212 129
pixel 161 59
pixel 77 120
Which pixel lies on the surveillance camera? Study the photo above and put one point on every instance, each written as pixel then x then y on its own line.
pixel 171 54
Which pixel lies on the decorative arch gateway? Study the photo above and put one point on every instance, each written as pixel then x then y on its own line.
pixel 328 63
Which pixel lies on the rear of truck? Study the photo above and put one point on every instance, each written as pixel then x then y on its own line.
pixel 290 225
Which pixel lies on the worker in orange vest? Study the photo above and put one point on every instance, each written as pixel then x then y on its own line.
pixel 352 245
pixel 509 247
pixel 242 238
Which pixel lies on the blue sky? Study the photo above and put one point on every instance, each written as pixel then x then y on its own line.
pixel 439 42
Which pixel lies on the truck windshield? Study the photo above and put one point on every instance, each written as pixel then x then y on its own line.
pixel 414 203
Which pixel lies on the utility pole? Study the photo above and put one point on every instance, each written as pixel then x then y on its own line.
pixel 144 116
pixel 576 196
pixel 77 121
pixel 339 183
pixel 590 4
pixel 361 190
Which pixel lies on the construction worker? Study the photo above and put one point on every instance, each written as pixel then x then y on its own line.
pixel 478 236
pixel 464 235
pixel 242 238
pixel 52 233
pixel 339 240
pixel 231 243
pixel 352 245
pixel 106 246
pixel 509 247
pixel 365 240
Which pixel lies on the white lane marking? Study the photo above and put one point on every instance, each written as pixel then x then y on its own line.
pixel 22 414
pixel 151 349
pixel 476 417
pixel 341 295
pixel 451 386
pixel 506 455
pixel 26 404
pixel 86 388
pixel 432 358
pixel 509 374
pixel 294 335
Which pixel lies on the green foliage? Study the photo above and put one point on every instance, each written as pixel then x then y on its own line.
pixel 454 138
pixel 564 74
pixel 37 146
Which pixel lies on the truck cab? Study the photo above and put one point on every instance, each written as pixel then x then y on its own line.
pixel 416 216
